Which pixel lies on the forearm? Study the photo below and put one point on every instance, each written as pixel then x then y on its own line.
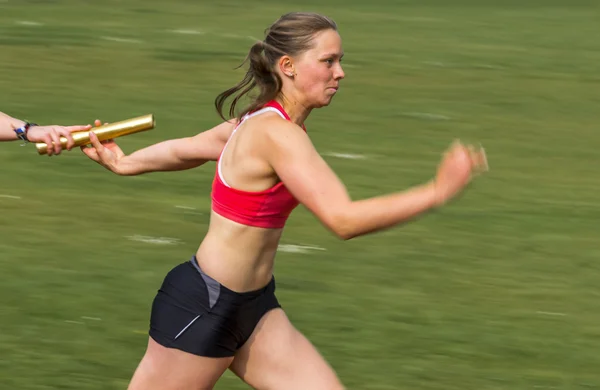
pixel 172 155
pixel 160 157
pixel 382 212
pixel 7 126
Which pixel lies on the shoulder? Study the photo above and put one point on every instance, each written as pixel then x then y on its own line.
pixel 280 130
pixel 283 140
pixel 221 131
pixel 270 129
pixel 225 129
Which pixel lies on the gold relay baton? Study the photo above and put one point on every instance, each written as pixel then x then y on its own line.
pixel 105 132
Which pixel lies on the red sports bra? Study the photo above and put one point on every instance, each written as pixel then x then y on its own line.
pixel 269 208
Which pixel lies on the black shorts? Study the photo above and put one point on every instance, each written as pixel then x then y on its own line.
pixel 196 314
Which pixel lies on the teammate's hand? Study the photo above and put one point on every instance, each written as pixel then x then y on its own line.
pixel 50 135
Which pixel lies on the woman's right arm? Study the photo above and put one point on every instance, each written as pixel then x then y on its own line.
pixel 308 177
pixel 172 155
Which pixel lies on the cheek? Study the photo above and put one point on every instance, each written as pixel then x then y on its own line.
pixel 314 79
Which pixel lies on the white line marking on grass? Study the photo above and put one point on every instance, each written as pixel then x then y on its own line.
pixel 346 155
pixel 28 23
pixel 188 32
pixel 299 248
pixel 74 322
pixel 233 36
pixel 427 116
pixel 9 196
pixel 488 66
pixel 189 210
pixel 549 313
pixel 120 40
pixel 421 19
pixel 91 318
pixel 222 35
pixel 154 240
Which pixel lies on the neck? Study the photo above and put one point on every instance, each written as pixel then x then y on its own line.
pixel 294 108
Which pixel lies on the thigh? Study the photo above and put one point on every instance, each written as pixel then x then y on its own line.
pixel 164 368
pixel 277 356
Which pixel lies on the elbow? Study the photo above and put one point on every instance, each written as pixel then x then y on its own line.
pixel 345 232
pixel 343 227
pixel 346 235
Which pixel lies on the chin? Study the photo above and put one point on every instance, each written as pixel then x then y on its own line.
pixel 324 102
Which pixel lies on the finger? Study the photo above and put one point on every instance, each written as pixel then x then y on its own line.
pixel 67 134
pixel 90 152
pixel 96 144
pixel 473 155
pixel 484 159
pixel 474 160
pixel 450 149
pixel 56 140
pixel 98 123
pixel 456 144
pixel 73 129
pixel 481 164
pixel 49 146
pixel 457 148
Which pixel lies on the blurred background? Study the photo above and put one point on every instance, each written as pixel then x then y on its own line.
pixel 498 290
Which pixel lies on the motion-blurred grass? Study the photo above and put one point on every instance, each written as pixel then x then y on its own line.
pixel 496 291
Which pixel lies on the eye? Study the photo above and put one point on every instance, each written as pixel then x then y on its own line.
pixel 329 61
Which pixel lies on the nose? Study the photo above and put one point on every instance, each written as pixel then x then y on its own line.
pixel 339 72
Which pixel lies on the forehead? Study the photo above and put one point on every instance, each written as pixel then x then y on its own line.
pixel 327 42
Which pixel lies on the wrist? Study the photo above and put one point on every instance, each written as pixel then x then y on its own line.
pixel 123 167
pixel 433 191
pixel 22 129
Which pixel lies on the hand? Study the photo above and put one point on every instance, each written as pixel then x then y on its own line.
pixel 106 153
pixel 52 134
pixel 457 168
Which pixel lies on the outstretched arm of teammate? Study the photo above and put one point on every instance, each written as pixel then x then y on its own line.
pixel 10 128
pixel 309 178
pixel 172 155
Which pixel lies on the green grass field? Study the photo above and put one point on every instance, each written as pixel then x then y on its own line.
pixel 499 290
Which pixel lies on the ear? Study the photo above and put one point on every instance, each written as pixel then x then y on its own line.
pixel 286 66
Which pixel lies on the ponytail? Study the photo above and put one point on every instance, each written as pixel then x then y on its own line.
pixel 260 73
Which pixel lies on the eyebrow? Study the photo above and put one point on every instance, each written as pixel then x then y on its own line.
pixel 337 55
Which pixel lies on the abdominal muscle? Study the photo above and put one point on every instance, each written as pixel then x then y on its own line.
pixel 239 257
